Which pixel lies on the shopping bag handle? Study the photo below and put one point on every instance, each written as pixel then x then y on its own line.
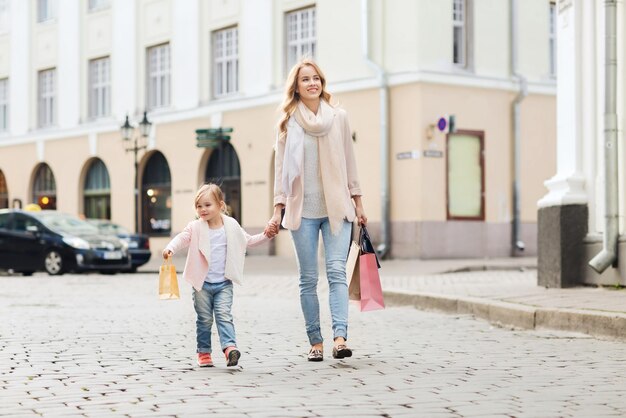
pixel 365 243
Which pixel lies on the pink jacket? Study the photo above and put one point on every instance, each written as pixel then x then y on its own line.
pixel 196 237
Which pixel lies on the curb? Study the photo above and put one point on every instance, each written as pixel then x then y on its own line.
pixel 595 323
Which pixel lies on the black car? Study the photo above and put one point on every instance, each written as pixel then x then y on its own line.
pixel 138 244
pixel 55 242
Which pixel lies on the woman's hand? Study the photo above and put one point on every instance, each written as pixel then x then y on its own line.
pixel 273 225
pixel 360 213
pixel 271 230
pixel 167 254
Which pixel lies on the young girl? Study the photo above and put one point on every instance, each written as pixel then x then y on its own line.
pixel 217 247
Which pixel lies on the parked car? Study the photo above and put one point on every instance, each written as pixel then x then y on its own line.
pixel 138 244
pixel 56 242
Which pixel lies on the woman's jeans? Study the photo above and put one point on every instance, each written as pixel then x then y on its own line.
pixel 214 299
pixel 306 239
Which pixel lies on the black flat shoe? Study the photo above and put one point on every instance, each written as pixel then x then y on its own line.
pixel 341 351
pixel 315 355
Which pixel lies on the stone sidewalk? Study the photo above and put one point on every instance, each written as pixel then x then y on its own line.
pixel 502 291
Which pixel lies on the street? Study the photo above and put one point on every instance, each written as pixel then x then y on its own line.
pixel 92 345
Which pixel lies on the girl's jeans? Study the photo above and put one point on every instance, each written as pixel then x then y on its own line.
pixel 306 239
pixel 214 299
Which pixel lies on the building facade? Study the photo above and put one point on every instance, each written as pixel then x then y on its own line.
pixel 581 217
pixel 451 103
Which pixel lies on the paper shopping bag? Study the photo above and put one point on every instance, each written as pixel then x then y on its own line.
pixel 371 290
pixel 168 283
pixel 352 263
pixel 352 272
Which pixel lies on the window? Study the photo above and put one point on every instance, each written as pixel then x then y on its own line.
pixel 4 192
pixel 46 10
pixel 95 5
pixel 45 188
pixel 156 196
pixel 4 16
pixel 300 35
pixel 97 192
pixel 99 88
pixel 552 38
pixel 465 175
pixel 47 91
pixel 225 62
pixel 223 169
pixel 4 105
pixel 459 36
pixel 158 76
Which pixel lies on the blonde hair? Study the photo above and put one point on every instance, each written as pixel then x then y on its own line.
pixel 292 98
pixel 213 190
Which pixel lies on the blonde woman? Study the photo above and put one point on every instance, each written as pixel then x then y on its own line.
pixel 316 183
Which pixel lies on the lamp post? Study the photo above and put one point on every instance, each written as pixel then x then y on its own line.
pixel 128 135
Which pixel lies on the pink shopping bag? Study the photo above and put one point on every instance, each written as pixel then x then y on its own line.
pixel 371 290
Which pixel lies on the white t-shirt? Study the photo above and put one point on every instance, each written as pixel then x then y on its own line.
pixel 217 264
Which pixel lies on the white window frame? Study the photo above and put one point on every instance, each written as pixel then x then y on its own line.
pixel 46 91
pixel 300 35
pixel 552 38
pixel 459 25
pixel 4 105
pixel 225 62
pixel 46 10
pixel 158 76
pixel 95 5
pixel 99 87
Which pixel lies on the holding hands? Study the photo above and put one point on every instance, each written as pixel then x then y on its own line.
pixel 271 230
pixel 167 254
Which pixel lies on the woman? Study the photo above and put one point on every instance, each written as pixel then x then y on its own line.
pixel 316 183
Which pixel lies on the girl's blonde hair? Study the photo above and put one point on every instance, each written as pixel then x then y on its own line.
pixel 214 190
pixel 292 98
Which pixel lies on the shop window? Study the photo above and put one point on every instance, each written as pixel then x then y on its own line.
pixel 223 169
pixel 465 180
pixel 156 196
pixel 97 192
pixel 45 188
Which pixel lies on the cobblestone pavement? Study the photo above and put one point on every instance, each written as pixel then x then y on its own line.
pixel 105 346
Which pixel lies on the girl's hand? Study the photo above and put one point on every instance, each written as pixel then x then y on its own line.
pixel 167 254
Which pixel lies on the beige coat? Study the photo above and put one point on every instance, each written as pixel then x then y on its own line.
pixel 348 187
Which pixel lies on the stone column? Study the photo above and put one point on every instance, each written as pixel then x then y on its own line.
pixel 563 212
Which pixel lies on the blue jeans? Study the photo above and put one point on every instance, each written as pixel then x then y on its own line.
pixel 215 299
pixel 306 239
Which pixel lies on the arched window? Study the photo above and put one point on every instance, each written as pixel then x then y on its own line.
pixel 97 191
pixel 45 188
pixel 4 192
pixel 156 196
pixel 223 169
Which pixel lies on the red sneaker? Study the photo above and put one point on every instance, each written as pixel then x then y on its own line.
pixel 204 360
pixel 232 356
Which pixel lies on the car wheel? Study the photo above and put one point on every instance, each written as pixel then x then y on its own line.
pixel 53 263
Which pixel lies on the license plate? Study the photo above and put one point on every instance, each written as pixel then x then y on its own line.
pixel 113 255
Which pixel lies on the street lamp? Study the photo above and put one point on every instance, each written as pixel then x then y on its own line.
pixel 128 134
